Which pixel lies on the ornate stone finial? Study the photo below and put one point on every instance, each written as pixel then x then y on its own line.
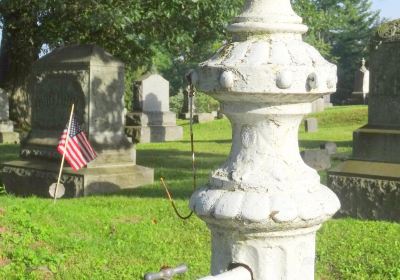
pixel 389 32
pixel 268 16
pixel 363 67
pixel 267 57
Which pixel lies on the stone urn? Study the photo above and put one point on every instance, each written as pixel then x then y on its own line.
pixel 264 204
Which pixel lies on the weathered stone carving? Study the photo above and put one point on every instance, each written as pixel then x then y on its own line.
pixel 264 204
pixel 389 32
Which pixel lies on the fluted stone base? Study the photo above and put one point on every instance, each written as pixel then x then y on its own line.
pixel 271 254
pixel 34 177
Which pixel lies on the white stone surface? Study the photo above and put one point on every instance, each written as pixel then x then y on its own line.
pixel 154 91
pixel 238 273
pixel 264 204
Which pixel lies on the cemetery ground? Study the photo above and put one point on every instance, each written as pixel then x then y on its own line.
pixel 124 235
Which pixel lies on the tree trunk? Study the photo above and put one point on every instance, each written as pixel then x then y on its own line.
pixel 19 49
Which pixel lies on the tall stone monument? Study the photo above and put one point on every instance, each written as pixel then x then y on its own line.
pixel 93 80
pixel 185 110
pixel 361 85
pixel 264 204
pixel 369 183
pixel 7 133
pixel 151 119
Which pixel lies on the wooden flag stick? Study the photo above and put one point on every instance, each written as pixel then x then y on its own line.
pixel 65 150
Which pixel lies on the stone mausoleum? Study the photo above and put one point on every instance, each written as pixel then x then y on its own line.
pixel 93 80
pixel 368 184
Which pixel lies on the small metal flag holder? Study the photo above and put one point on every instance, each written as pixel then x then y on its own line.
pixel 57 190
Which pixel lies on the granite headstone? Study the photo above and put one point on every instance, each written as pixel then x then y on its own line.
pixel 311 125
pixel 368 184
pixel 93 80
pixel 151 119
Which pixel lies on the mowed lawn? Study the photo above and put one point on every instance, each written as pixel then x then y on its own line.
pixel 124 235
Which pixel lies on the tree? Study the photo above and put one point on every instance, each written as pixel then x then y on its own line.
pixel 341 30
pixel 134 31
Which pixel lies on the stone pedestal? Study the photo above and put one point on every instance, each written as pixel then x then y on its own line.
pixel 7 134
pixel 93 80
pixel 203 117
pixel 264 204
pixel 153 127
pixel 288 253
pixel 151 120
pixel 368 183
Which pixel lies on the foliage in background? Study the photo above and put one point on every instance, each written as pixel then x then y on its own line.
pixel 168 36
pixel 203 103
pixel 341 31
pixel 134 31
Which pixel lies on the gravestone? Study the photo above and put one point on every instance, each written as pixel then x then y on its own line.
pixel 327 101
pixel 185 110
pixel 317 159
pixel 361 85
pixel 330 147
pixel 311 125
pixel 203 117
pixel 93 80
pixel 151 119
pixel 318 105
pixel 368 184
pixel 7 134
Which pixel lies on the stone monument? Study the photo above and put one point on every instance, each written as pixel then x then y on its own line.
pixel 361 85
pixel 185 110
pixel 151 119
pixel 264 204
pixel 369 183
pixel 93 80
pixel 7 133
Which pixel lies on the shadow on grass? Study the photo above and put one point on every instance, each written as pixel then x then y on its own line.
pixel 176 167
pixel 176 161
pixel 315 144
pixel 225 141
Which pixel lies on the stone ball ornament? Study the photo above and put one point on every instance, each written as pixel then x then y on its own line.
pixel 284 79
pixel 227 79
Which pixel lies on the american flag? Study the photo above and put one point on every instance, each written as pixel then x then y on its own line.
pixel 79 152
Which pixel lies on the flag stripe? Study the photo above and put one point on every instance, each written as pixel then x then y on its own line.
pixel 79 152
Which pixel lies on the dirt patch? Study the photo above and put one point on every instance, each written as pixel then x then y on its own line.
pixel 4 261
pixel 130 220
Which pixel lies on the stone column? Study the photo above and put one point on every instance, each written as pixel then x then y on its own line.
pixel 264 204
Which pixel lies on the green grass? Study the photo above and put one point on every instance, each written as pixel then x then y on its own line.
pixel 124 235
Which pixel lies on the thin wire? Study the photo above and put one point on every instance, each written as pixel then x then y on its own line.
pixel 191 92
pixel 173 202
